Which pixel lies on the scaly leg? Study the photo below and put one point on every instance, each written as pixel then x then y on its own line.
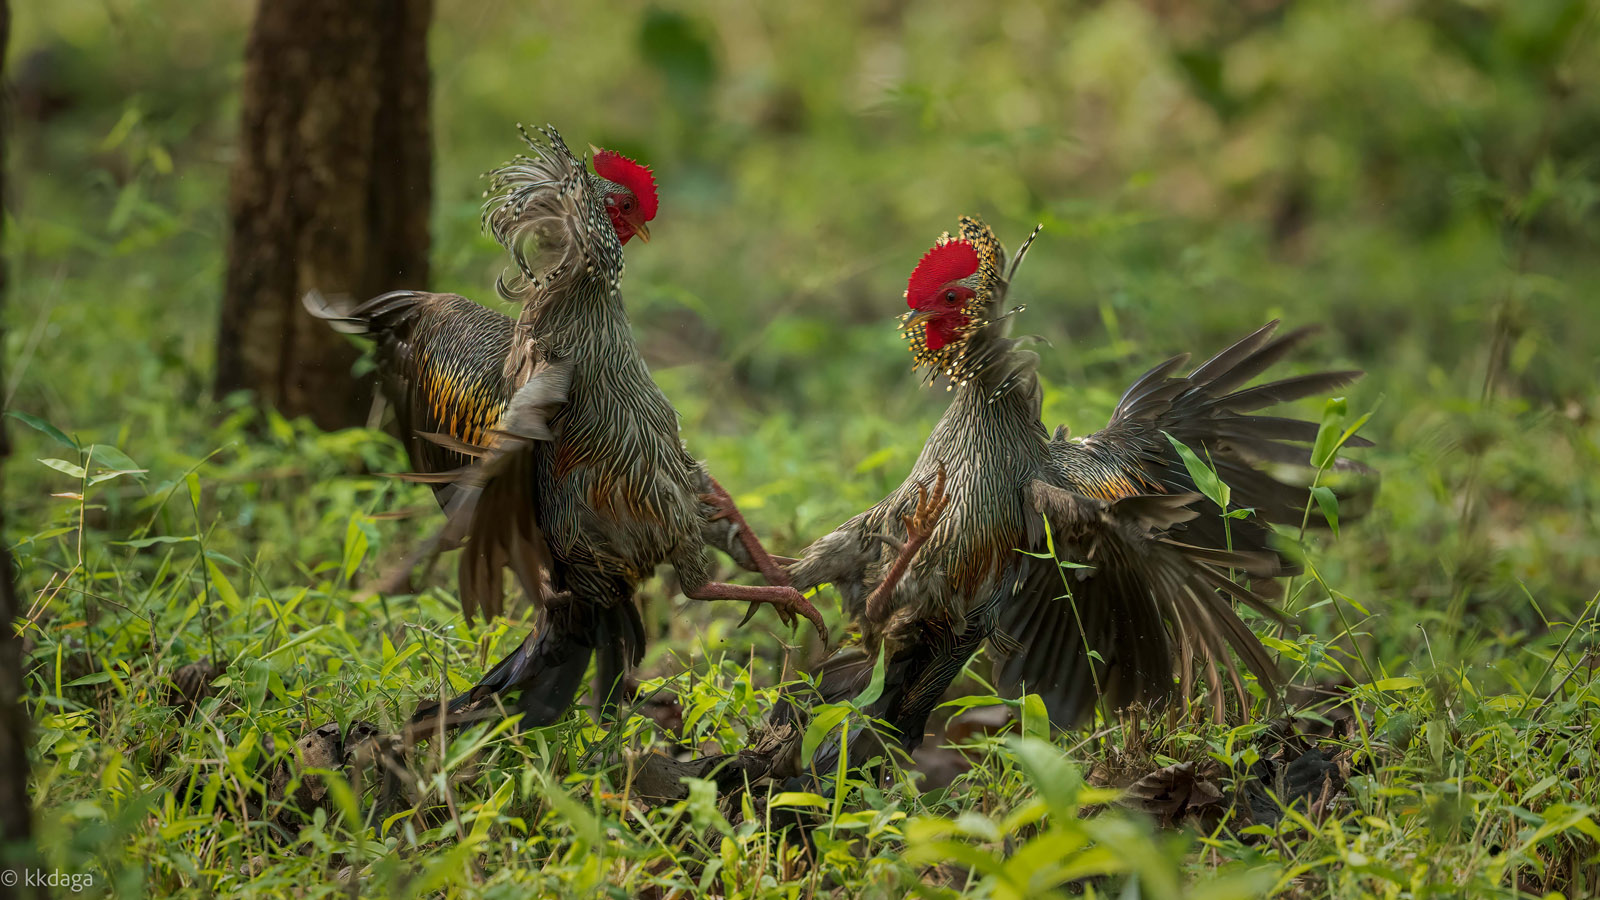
pixel 769 569
pixel 786 600
pixel 919 527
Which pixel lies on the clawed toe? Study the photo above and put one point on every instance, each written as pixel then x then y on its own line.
pixel 789 611
pixel 931 504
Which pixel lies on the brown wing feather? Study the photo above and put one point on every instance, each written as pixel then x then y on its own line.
pixel 1207 412
pixel 1145 604
pixel 440 357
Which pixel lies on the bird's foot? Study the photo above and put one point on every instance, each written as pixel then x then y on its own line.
pixel 789 603
pixel 790 607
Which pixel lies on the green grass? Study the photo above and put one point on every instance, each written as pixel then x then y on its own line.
pixel 1419 178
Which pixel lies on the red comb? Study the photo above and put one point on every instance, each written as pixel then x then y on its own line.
pixel 613 166
pixel 947 262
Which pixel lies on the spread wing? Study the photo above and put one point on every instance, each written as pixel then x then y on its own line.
pixel 1209 412
pixel 440 358
pixel 544 210
pixel 1110 578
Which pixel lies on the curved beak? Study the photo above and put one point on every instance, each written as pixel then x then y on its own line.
pixel 642 230
pixel 913 319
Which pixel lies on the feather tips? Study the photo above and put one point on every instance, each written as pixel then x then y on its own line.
pixel 545 211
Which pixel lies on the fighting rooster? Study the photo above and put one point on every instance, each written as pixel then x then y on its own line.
pixel 1093 567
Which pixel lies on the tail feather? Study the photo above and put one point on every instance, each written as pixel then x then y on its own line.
pixel 338 311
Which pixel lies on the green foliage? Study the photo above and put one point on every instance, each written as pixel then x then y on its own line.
pixel 1419 177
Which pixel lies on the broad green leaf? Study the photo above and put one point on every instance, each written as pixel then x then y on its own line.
pixel 1327 442
pixel 61 465
pixel 874 688
pixel 1205 478
pixel 799 799
pixel 824 719
pixel 296 641
pixel 344 798
pixel 355 545
pixel 113 458
pixel 962 703
pixel 585 826
pixel 1035 717
pixel 224 588
pixel 399 658
pixel 1242 886
pixel 41 425
pixel 1054 778
pixel 949 852
pixel 486 813
pixel 1329 504
pixel 1355 426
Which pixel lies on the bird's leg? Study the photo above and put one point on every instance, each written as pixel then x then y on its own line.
pixel 919 527
pixel 786 600
pixel 769 569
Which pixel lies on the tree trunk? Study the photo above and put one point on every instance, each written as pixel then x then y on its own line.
pixel 330 191
pixel 16 806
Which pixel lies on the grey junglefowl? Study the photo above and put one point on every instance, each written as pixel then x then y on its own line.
pixel 441 360
pixel 548 444
pixel 1053 549
pixel 583 486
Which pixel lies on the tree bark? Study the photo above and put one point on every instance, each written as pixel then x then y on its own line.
pixel 16 805
pixel 331 191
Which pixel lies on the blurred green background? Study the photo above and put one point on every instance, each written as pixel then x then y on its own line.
pixel 1419 176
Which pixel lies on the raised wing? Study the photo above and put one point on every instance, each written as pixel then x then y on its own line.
pixel 1114 582
pixel 543 209
pixel 1208 412
pixel 441 358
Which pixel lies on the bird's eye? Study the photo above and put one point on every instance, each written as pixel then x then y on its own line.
pixel 627 204
pixel 950 296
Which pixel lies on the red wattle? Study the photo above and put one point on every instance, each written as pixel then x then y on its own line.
pixel 943 330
